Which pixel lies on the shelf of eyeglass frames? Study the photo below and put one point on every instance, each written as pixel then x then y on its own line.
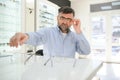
pixel 5 4
pixel 3 44
pixel 46 17
pixel 9 18
pixel 50 16
pixel 45 8
pixel 8 15
pixel 5 30
pixel 46 12
pixel 4 40
pixel 6 34
pixel 9 12
pixel 42 26
pixel 45 25
pixel 9 8
pixel 3 23
pixel 8 29
pixel 46 22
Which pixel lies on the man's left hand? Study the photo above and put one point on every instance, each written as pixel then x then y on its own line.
pixel 77 26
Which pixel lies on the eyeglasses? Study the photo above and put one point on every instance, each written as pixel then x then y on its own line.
pixel 51 59
pixel 67 19
pixel 2 44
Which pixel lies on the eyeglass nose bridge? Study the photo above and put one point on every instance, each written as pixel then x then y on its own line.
pixel 65 19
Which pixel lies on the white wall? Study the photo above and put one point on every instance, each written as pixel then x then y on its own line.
pixel 29 25
pixel 82 10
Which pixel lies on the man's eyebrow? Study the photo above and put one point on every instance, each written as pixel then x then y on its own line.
pixel 65 17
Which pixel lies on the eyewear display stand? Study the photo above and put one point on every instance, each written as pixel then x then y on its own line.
pixel 52 68
pixel 57 68
pixel 4 54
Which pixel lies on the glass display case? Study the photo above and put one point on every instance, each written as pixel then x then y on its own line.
pixel 105 36
pixel 46 14
pixel 46 17
pixel 98 43
pixel 115 37
pixel 10 21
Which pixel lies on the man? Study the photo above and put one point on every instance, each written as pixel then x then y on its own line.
pixel 60 40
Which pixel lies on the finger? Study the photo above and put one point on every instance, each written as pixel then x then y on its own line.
pixel 74 22
pixel 21 42
pixel 77 22
pixel 23 39
pixel 11 41
pixel 14 41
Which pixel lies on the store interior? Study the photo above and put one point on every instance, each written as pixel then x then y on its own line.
pixel 100 23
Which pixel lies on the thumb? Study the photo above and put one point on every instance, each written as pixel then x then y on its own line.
pixel 23 39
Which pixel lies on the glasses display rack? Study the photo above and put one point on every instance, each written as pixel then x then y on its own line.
pixel 10 21
pixel 46 15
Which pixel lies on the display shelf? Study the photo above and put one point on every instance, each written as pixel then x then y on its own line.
pixel 46 15
pixel 10 20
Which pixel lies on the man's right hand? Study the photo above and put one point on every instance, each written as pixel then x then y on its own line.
pixel 18 39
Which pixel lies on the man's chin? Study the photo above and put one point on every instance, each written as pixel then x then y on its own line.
pixel 65 30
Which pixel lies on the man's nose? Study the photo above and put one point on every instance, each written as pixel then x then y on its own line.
pixel 65 21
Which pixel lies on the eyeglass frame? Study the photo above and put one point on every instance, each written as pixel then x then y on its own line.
pixel 67 19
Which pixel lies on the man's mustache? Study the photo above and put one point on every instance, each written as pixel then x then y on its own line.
pixel 64 25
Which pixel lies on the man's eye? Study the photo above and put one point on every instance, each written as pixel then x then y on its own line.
pixel 67 19
pixel 62 18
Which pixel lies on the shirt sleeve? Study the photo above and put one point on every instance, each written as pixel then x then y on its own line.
pixel 36 38
pixel 83 46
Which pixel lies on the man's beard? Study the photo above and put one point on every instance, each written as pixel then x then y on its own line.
pixel 64 28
